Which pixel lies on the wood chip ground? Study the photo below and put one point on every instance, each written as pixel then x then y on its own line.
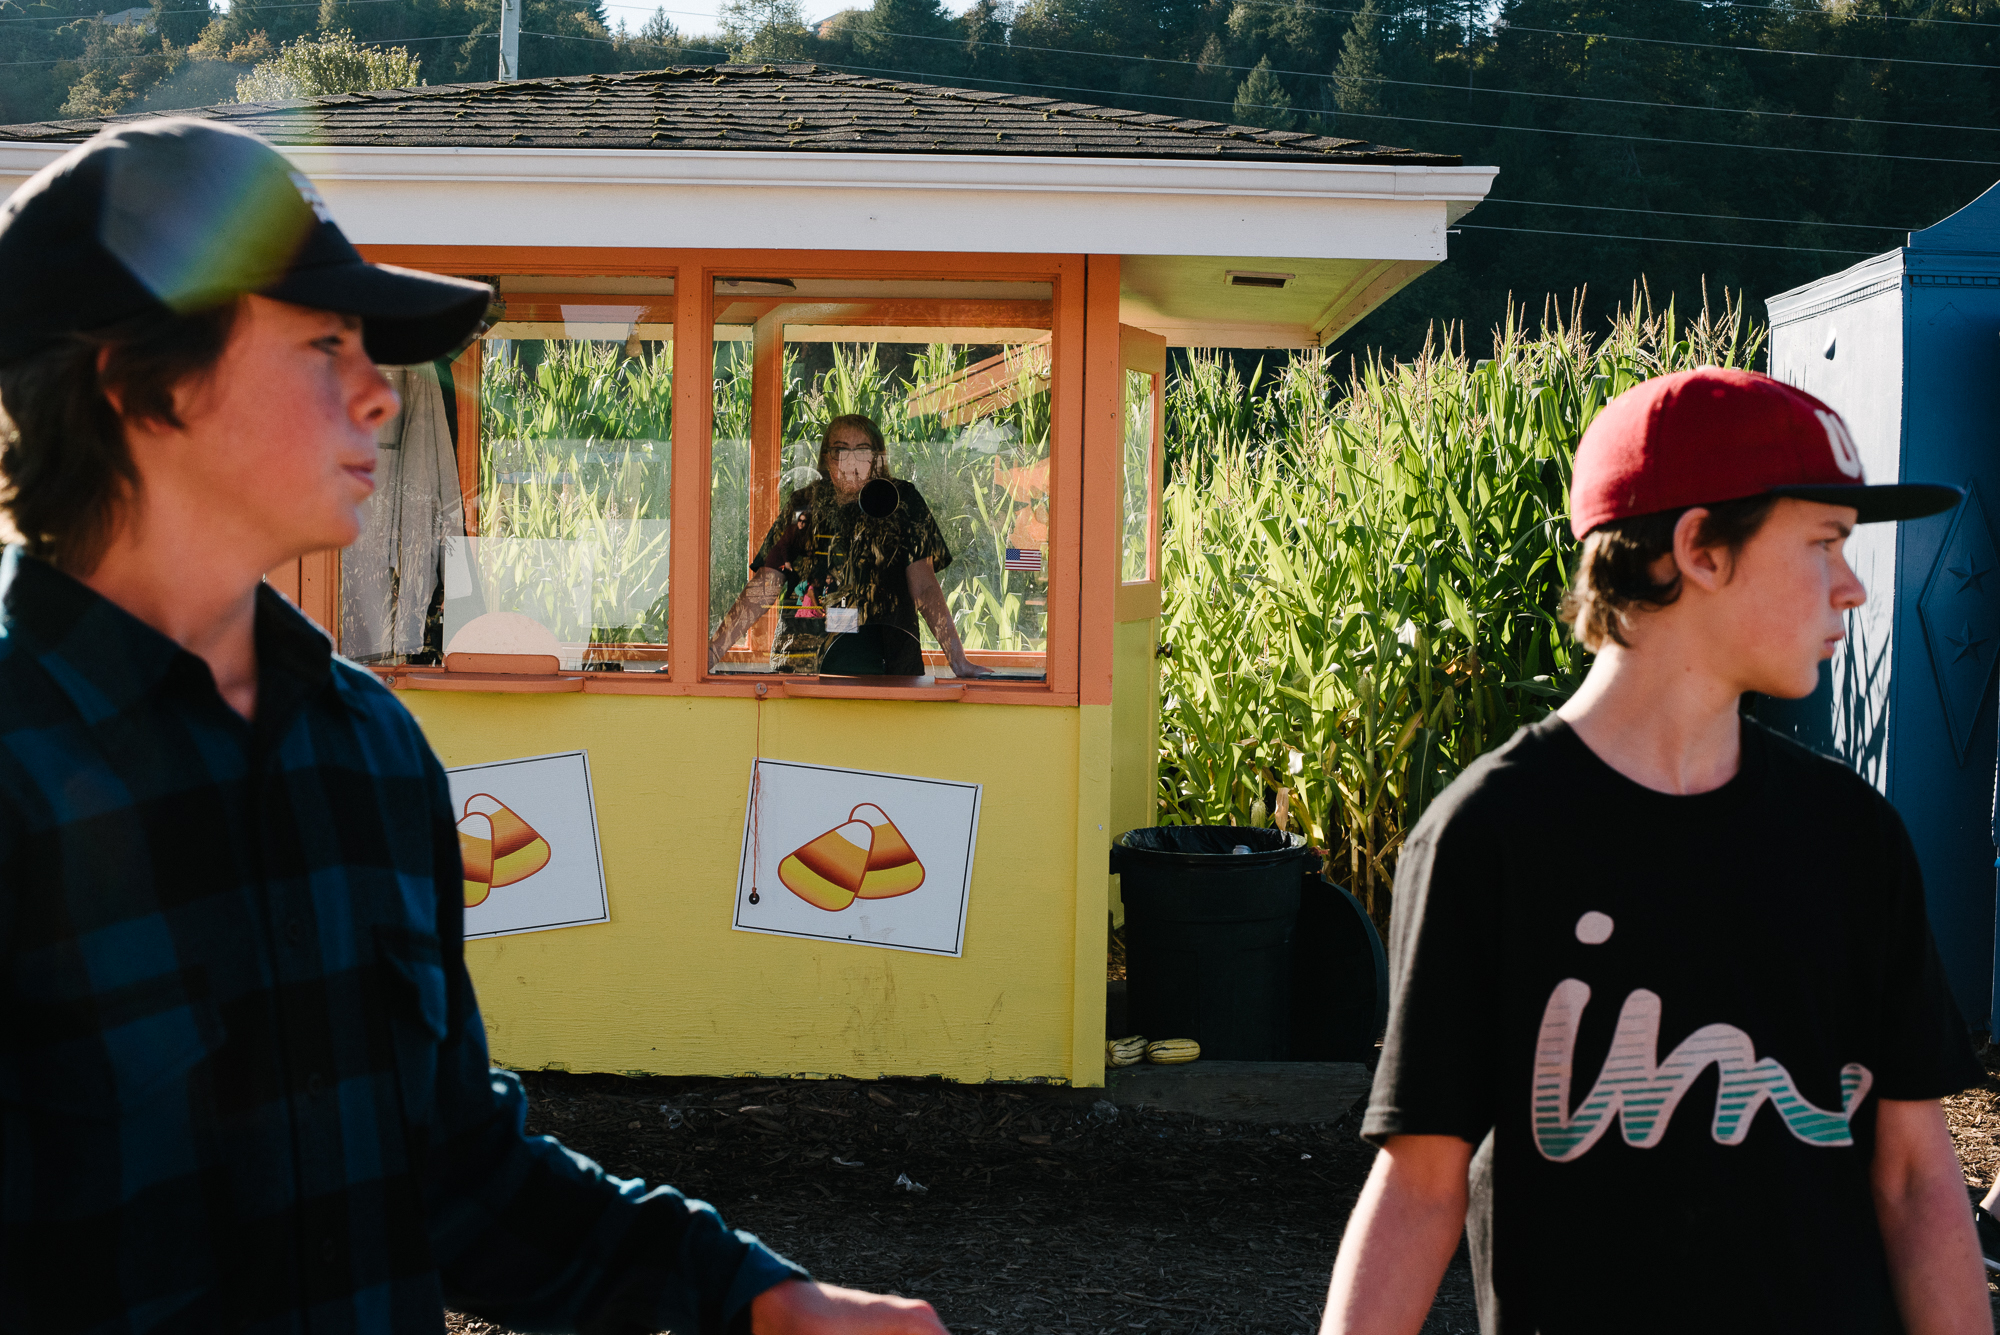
pixel 1124 1221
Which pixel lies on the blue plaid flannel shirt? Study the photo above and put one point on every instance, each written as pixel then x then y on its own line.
pixel 243 1080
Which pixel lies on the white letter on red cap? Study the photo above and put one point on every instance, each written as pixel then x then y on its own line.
pixel 1845 457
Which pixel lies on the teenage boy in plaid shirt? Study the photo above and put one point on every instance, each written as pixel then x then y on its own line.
pixel 243 1080
pixel 1668 1028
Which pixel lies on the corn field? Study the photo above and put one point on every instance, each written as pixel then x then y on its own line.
pixel 575 486
pixel 1361 580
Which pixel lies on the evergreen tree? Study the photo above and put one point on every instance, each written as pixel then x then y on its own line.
pixel 1356 86
pixel 984 27
pixel 1262 100
pixel 180 22
pixel 908 39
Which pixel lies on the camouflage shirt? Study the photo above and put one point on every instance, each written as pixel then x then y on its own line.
pixel 833 556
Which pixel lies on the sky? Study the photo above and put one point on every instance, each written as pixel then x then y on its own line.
pixel 699 16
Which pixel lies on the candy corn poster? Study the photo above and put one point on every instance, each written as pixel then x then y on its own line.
pixel 527 833
pixel 851 855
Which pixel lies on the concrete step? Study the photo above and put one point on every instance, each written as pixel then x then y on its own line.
pixel 1287 1092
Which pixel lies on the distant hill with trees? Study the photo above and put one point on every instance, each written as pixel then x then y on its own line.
pixel 1753 146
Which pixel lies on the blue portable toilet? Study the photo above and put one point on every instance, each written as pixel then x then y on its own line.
pixel 1906 346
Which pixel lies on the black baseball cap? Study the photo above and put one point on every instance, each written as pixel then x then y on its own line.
pixel 182 215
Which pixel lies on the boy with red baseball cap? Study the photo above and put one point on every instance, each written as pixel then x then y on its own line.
pixel 244 1086
pixel 1668 1028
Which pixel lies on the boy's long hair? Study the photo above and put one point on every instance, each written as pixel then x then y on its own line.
pixel 1614 575
pixel 65 467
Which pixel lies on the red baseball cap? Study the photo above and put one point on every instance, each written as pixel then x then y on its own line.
pixel 1710 435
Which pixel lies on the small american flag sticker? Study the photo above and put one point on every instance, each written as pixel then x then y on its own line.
pixel 1022 558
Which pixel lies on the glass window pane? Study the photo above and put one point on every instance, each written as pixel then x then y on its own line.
pixel 729 472
pixel 1136 564
pixel 855 439
pixel 563 543
pixel 392 577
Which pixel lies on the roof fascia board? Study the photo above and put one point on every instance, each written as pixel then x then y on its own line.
pixel 876 201
pixel 1856 281
pixel 634 166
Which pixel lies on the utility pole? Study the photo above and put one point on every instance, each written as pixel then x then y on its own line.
pixel 510 39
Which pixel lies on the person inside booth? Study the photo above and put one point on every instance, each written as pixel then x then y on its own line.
pixel 850 562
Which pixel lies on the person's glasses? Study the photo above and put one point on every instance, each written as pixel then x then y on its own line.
pixel 854 452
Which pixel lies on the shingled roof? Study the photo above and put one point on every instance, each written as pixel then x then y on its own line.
pixel 779 108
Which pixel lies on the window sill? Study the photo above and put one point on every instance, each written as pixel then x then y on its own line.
pixel 509 683
pixel 973 691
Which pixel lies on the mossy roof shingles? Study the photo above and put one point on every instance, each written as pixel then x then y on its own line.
pixel 781 108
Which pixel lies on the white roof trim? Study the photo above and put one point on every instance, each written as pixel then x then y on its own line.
pixel 876 201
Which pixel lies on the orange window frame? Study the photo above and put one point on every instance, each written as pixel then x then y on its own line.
pixel 1082 562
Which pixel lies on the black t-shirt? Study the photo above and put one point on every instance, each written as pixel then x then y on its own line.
pixel 833 556
pixel 1665 1021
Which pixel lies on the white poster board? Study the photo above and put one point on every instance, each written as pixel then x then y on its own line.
pixel 851 855
pixel 527 830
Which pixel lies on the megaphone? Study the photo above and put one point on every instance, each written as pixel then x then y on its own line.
pixel 880 499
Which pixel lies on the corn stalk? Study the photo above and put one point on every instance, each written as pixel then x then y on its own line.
pixel 1361 580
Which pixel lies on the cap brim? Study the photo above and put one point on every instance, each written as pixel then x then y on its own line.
pixel 407 317
pixel 1875 505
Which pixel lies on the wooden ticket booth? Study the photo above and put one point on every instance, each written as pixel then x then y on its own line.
pixel 696 271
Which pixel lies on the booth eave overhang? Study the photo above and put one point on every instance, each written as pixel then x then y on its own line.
pixel 1344 235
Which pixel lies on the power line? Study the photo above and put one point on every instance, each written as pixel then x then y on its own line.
pixel 1753 50
pixel 1537 231
pixel 1658 41
pixel 1648 138
pixel 1632 102
pixel 1664 240
pixel 1667 212
pixel 1850 15
pixel 1429 120
pixel 93 18
pixel 1016 83
pixel 148 55
pixel 1421 120
pixel 1409 83
pixel 1412 83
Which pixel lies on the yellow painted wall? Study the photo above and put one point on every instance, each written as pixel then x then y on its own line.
pixel 1135 733
pixel 1093 875
pixel 667 987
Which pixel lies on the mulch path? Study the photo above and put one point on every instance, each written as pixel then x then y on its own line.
pixel 1041 1208
pixel 1029 1209
pixel 1974 1118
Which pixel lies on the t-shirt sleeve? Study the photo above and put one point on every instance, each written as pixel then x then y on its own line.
pixel 1438 1069
pixel 1925 1051
pixel 776 551
pixel 926 538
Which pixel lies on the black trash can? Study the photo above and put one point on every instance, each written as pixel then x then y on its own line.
pixel 1208 935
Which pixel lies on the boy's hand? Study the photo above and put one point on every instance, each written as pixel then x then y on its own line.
pixel 803 1307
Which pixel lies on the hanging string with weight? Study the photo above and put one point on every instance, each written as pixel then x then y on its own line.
pixel 757 796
